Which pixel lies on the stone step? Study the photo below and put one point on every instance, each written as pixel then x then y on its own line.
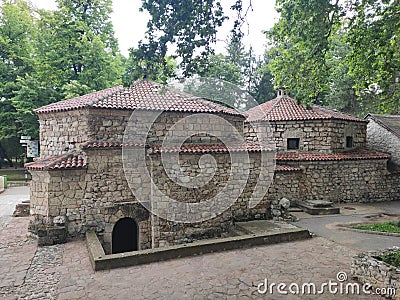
pixel 312 210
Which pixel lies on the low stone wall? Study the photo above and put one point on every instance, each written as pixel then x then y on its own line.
pixel 349 181
pixel 369 269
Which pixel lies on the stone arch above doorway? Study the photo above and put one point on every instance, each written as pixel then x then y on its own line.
pixel 131 210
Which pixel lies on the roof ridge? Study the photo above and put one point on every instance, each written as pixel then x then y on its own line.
pixel 117 88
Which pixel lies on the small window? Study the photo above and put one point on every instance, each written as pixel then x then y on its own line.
pixel 293 144
pixel 349 142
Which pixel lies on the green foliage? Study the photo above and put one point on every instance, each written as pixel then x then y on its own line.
pixel 392 258
pixel 17 27
pixel 341 94
pixel 188 27
pixel 222 68
pixel 76 44
pixel 241 68
pixel 346 57
pixel 47 56
pixel 380 227
pixel 374 36
pixel 300 42
pixel 261 85
pixel 138 67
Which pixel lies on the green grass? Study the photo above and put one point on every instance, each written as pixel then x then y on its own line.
pixel 381 227
pixel 14 175
pixel 392 258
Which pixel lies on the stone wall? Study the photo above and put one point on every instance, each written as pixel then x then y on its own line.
pixel 346 181
pixel 88 198
pixel 368 269
pixel 61 132
pixel 382 139
pixel 97 197
pixel 316 135
pixel 229 196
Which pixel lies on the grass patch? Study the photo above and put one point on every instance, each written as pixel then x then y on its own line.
pixel 14 175
pixel 392 258
pixel 392 227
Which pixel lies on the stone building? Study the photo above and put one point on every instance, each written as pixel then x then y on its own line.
pixel 111 161
pixel 82 181
pixel 383 133
pixel 330 149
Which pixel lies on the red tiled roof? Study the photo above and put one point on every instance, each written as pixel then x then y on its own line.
pixel 286 109
pixel 144 95
pixel 209 148
pixel 61 162
pixel 280 168
pixel 355 154
pixel 78 102
pixel 107 145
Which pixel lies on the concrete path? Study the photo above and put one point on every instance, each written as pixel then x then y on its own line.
pixel 11 197
pixel 64 271
pixel 324 226
pixel 8 200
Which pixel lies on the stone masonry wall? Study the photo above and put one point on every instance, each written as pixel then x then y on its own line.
pixel 215 221
pixel 88 198
pixel 317 135
pixel 347 181
pixel 63 131
pixel 369 269
pixel 382 139
pixel 98 197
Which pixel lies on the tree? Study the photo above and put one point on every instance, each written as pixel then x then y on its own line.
pixel 47 56
pixel 299 46
pixel 138 67
pixel 220 67
pixel 189 27
pixel 77 43
pixel 17 28
pixel 341 93
pixel 374 36
pixel 74 53
pixel 262 87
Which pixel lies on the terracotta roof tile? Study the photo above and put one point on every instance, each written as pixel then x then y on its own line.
pixel 61 162
pixel 280 168
pixel 287 109
pixel 78 102
pixel 355 154
pixel 209 148
pixel 108 145
pixel 144 95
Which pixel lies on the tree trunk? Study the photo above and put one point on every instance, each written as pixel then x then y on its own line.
pixel 3 154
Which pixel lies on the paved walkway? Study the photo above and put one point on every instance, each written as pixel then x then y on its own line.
pixel 64 271
pixel 325 226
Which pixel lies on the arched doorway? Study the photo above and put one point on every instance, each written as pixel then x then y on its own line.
pixel 125 236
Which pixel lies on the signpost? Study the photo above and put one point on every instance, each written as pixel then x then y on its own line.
pixel 32 146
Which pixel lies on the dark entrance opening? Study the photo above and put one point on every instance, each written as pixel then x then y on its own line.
pixel 125 236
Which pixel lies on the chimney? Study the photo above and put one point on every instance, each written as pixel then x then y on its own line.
pixel 281 92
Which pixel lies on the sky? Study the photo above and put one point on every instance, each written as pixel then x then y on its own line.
pixel 130 24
